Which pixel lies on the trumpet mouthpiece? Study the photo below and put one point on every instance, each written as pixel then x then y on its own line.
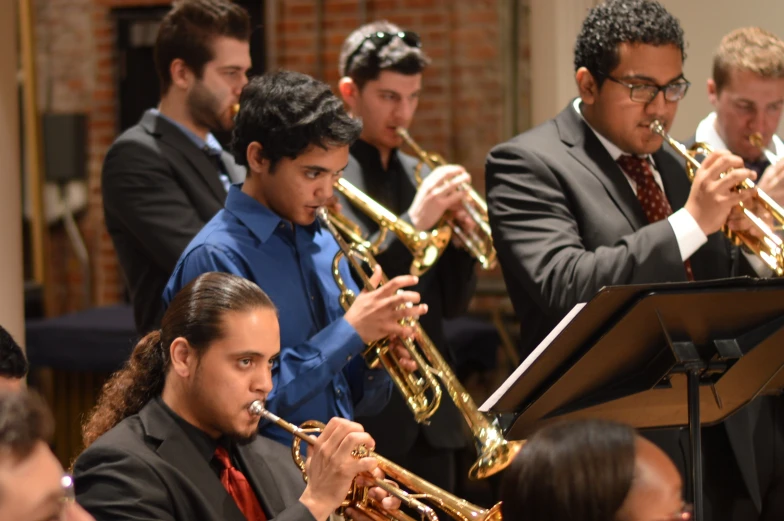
pixel 256 408
pixel 657 127
pixel 756 140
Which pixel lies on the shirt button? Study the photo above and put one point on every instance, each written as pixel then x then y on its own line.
pixel 371 377
pixel 338 393
pixel 348 358
pixel 312 297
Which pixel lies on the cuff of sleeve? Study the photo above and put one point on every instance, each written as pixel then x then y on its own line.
pixel 339 342
pixel 688 233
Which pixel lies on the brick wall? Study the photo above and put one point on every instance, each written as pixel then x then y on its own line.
pixel 461 113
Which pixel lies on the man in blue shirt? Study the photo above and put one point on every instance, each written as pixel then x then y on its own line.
pixel 293 135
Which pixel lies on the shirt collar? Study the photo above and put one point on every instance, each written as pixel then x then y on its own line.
pixel 611 147
pixel 707 133
pixel 211 145
pixel 205 445
pixel 259 219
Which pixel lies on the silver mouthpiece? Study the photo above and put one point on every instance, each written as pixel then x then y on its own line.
pixel 256 408
pixel 657 127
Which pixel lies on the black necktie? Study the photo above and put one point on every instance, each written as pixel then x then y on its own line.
pixel 758 166
pixel 215 158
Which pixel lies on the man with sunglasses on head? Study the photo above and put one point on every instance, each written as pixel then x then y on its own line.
pixel 591 199
pixel 381 67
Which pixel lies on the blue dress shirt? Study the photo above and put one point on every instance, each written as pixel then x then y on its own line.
pixel 318 374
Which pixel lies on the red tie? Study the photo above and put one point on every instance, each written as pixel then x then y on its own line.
pixel 651 197
pixel 238 487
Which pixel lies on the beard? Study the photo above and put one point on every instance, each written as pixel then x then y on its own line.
pixel 205 109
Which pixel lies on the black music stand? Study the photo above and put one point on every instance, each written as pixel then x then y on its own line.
pixel 658 355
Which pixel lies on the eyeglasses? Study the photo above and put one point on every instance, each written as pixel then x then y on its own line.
pixel 381 39
pixel 645 92
pixel 686 514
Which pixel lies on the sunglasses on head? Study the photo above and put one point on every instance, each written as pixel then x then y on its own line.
pixel 381 39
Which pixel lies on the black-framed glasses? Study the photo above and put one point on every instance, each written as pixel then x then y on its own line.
pixel 381 39
pixel 686 514
pixel 645 92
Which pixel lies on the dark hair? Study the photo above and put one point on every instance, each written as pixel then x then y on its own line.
pixel 623 21
pixel 24 421
pixel 188 31
pixel 196 313
pixel 579 470
pixel 748 49
pixel 287 113
pixel 13 363
pixel 367 62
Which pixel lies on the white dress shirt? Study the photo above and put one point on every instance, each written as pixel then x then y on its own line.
pixel 688 233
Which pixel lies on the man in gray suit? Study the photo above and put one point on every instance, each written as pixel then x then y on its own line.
pixel 591 199
pixel 172 437
pixel 165 177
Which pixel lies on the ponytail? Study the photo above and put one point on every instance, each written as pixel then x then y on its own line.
pixel 196 314
pixel 130 388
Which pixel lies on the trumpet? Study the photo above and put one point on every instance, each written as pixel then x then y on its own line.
pixel 756 141
pixel 478 242
pixel 425 247
pixel 421 490
pixel 767 246
pixel 422 392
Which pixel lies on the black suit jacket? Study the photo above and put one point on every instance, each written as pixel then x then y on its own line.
pixel 446 289
pixel 566 223
pixel 146 468
pixel 159 190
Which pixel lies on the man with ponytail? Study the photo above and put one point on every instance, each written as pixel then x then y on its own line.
pixel 293 134
pixel 172 437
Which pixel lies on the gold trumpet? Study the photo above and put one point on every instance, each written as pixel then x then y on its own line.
pixel 495 453
pixel 756 141
pixel 420 490
pixel 426 247
pixel 478 242
pixel 767 246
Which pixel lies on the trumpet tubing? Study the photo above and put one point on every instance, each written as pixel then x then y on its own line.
pixel 420 490
pixel 478 242
pixel 765 244
pixel 426 247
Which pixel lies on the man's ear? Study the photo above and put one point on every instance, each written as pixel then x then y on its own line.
pixel 183 357
pixel 182 76
pixel 256 160
pixel 713 93
pixel 586 86
pixel 349 91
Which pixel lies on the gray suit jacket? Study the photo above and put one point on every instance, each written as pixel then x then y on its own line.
pixel 566 223
pixel 158 190
pixel 146 468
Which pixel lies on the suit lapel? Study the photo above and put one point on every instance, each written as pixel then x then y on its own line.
pixel 189 152
pixel 674 178
pixel 586 148
pixel 178 451
pixel 261 477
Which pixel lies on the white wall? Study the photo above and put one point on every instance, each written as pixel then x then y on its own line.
pixel 554 28
pixel 11 288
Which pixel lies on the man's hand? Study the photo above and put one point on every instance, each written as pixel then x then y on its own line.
pixel 401 353
pixel 378 313
pixel 772 181
pixel 387 502
pixel 439 192
pixel 332 466
pixel 712 196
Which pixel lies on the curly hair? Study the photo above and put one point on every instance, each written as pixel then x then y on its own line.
pixel 24 421
pixel 188 30
pixel 623 21
pixel 287 113
pixel 196 314
pixel 367 62
pixel 13 363
pixel 578 470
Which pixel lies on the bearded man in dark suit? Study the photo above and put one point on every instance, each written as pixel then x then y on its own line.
pixel 166 176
